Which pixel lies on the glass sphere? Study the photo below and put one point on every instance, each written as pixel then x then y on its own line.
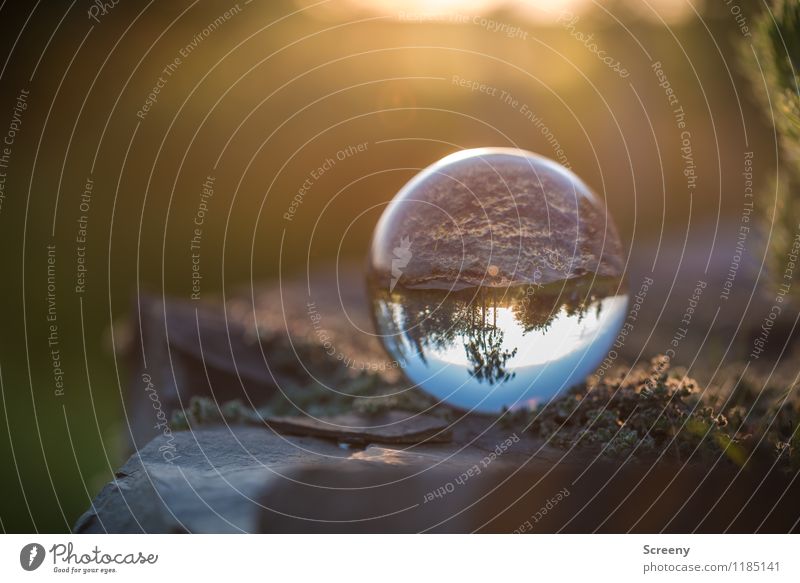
pixel 496 279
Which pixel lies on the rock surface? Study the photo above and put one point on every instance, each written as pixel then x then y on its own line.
pixel 254 479
pixel 251 479
pixel 249 346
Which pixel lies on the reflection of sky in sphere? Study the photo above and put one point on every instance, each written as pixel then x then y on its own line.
pixel 529 365
pixel 563 337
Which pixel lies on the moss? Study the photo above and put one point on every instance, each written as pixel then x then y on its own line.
pixel 651 410
pixel 367 393
pixel 645 411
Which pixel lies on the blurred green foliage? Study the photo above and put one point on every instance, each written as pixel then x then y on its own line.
pixel 772 62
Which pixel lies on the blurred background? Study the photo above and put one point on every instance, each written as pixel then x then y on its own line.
pixel 284 127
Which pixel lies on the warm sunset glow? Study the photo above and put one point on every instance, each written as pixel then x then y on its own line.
pixel 535 11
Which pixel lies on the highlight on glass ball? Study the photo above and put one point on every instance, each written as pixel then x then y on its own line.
pixel 496 279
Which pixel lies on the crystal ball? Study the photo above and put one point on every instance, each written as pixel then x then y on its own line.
pixel 496 280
